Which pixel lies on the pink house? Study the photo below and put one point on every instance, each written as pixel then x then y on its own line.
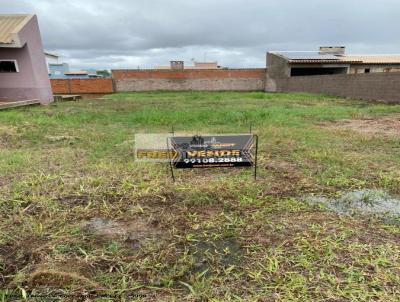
pixel 23 69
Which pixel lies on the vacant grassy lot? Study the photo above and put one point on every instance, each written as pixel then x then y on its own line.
pixel 79 215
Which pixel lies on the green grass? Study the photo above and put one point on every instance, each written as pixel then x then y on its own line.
pixel 214 235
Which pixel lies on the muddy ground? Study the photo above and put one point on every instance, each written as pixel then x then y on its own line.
pixel 381 127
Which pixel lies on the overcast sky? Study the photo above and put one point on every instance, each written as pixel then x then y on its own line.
pixel 236 33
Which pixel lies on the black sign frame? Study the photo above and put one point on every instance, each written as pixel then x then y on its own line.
pixel 249 162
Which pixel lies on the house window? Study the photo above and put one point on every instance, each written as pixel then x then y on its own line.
pixel 8 66
pixel 367 70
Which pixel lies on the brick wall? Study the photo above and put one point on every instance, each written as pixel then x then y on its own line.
pixel 190 79
pixel 60 86
pixel 371 86
pixel 82 86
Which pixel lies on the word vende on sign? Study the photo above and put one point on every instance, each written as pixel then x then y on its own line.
pixel 212 151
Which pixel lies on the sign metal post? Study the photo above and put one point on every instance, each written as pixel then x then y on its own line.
pixel 255 157
pixel 170 160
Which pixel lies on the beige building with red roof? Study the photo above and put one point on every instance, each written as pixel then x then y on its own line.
pixel 196 65
pixel 328 60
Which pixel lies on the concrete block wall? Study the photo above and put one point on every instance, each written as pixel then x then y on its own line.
pixel 180 80
pixel 372 86
pixel 369 86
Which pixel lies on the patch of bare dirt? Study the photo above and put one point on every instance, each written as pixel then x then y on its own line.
pixel 288 179
pixel 60 279
pixel 17 255
pixel 387 127
pixel 59 138
pixel 7 134
pixel 97 96
pixel 284 168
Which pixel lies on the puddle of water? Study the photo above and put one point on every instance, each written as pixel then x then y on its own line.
pixel 106 227
pixel 366 201
pixel 133 232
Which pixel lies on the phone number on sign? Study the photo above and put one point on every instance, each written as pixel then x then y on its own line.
pixel 213 160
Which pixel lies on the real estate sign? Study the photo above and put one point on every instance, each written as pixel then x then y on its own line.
pixel 212 151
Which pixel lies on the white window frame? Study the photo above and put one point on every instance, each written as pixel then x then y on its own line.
pixel 10 60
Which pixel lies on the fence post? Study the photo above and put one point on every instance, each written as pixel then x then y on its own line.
pixel 114 85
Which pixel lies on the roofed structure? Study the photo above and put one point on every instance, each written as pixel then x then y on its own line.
pixel 10 26
pixel 23 68
pixel 372 59
pixel 196 65
pixel 307 57
pixel 76 72
pixel 312 57
pixel 328 60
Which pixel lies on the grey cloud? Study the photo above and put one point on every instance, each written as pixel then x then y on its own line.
pixel 237 33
